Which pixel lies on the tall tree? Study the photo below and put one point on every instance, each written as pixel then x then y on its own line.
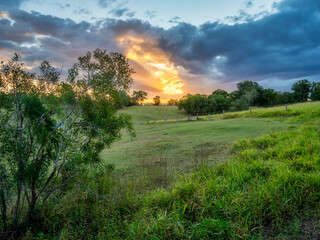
pixel 48 130
pixel 139 96
pixel 301 90
pixel 156 100
pixel 173 102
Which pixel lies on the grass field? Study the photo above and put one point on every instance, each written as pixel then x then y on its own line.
pixel 246 177
pixel 181 146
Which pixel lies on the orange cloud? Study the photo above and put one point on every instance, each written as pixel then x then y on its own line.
pixel 159 72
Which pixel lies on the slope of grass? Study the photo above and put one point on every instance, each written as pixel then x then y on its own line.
pixel 271 188
pixel 268 189
pixel 308 109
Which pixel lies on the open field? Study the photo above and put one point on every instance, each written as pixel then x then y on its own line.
pixel 244 177
pixel 180 142
pixel 267 189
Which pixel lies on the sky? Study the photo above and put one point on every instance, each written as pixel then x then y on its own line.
pixel 175 46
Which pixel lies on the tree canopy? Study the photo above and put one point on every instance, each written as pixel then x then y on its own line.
pixel 49 129
pixel 139 96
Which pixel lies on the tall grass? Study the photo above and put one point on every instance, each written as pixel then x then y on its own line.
pixel 272 182
pixel 269 189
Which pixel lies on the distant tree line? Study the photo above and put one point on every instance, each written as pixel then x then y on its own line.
pixel 248 93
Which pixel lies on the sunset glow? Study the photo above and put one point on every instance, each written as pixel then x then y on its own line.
pixel 156 62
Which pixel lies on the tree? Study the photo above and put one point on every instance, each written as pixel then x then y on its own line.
pixel 270 97
pixel 173 102
pixel 50 130
pixel 301 90
pixel 315 91
pixel 246 86
pixel 139 96
pixel 221 102
pixel 197 104
pixel 124 99
pixel 287 97
pixel 156 100
pixel 250 93
pixel 220 92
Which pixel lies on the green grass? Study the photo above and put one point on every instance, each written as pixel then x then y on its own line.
pixel 141 114
pixel 248 177
pixel 307 109
pixel 179 142
pixel 269 190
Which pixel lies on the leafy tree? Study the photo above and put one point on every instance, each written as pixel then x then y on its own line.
pixel 234 95
pixel 156 100
pixel 315 91
pixel 49 130
pixel 270 97
pixel 220 92
pixel 198 103
pixel 173 102
pixel 245 86
pixel 139 96
pixel 221 102
pixel 124 99
pixel 301 90
pixel 250 93
pixel 287 97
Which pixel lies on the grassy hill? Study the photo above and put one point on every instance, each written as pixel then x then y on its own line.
pixel 246 177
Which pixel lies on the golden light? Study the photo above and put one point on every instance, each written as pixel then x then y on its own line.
pixel 147 54
pixel 4 15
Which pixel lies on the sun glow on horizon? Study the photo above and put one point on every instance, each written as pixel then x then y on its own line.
pixel 156 62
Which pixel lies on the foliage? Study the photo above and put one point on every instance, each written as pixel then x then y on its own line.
pixel 301 90
pixel 49 129
pixel 197 104
pixel 264 188
pixel 315 91
pixel 124 100
pixel 269 189
pixel 156 100
pixel 173 102
pixel 139 96
pixel 248 94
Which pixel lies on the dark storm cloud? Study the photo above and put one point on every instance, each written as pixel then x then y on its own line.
pixel 284 44
pixel 38 37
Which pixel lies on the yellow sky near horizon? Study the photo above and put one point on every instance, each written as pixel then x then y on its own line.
pixel 155 73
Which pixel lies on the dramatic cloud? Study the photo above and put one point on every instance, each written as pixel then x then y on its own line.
pixel 284 44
